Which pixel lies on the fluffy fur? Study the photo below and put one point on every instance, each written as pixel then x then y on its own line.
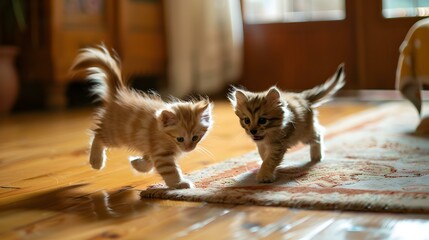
pixel 278 120
pixel 141 122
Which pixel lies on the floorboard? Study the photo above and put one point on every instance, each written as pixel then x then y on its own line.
pixel 49 191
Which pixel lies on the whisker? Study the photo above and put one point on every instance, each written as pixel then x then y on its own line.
pixel 207 152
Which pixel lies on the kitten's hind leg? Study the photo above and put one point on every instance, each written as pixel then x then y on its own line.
pixel 97 157
pixel 316 145
pixel 141 164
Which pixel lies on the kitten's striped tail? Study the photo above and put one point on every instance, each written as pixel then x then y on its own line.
pixel 97 64
pixel 323 93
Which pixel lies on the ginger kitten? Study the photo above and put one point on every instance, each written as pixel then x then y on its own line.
pixel 141 122
pixel 277 120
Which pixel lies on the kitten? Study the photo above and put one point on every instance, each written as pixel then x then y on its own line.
pixel 142 122
pixel 278 120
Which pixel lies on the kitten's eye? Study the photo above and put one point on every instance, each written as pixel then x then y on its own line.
pixel 262 121
pixel 247 121
pixel 194 138
pixel 180 139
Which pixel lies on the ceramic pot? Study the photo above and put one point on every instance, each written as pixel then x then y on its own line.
pixel 9 83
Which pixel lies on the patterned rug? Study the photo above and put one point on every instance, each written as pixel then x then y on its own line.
pixel 373 162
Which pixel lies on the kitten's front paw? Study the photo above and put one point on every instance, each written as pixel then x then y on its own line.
pixel 141 164
pixel 96 162
pixel 316 157
pixel 316 152
pixel 185 183
pixel 265 177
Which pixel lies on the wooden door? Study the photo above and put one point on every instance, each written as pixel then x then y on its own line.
pixel 379 42
pixel 299 55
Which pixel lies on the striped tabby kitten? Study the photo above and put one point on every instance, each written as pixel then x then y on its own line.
pixel 278 120
pixel 142 122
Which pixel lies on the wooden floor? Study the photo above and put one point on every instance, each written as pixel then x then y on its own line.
pixel 48 190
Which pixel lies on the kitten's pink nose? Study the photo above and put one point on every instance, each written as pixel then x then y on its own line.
pixel 189 148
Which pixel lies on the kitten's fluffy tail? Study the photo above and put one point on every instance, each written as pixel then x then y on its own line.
pixel 97 64
pixel 323 93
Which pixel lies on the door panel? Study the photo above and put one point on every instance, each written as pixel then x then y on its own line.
pixel 295 55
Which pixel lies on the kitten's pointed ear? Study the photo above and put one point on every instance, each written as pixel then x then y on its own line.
pixel 237 97
pixel 167 118
pixel 205 112
pixel 273 95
